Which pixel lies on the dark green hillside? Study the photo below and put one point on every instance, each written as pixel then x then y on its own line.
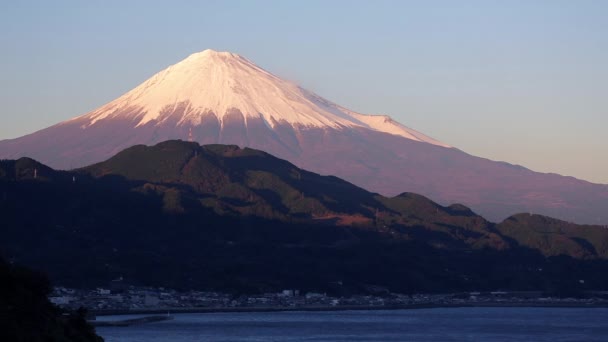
pixel 219 217
pixel 412 214
pixel 247 181
pixel 230 180
pixel 555 237
pixel 25 168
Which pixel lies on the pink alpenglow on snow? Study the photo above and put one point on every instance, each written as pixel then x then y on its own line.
pixel 219 84
pixel 221 97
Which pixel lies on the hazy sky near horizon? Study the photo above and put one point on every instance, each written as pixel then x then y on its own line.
pixel 518 81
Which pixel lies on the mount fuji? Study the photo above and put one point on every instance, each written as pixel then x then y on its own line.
pixel 221 97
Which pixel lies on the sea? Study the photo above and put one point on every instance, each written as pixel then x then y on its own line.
pixel 438 324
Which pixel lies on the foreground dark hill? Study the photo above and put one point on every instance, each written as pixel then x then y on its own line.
pixel 26 314
pixel 223 98
pixel 182 215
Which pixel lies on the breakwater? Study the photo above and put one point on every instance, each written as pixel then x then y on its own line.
pixel 131 321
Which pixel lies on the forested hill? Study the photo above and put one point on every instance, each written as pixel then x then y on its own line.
pixel 220 217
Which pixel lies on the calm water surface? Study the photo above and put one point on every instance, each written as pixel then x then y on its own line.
pixel 453 324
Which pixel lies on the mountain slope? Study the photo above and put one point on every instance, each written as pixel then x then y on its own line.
pixel 231 180
pixel 219 97
pixel 251 182
pixel 555 237
pixel 220 217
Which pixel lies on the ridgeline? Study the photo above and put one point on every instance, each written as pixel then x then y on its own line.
pixel 219 217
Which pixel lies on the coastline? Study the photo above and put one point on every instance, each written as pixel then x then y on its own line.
pixel 186 310
pixel 130 322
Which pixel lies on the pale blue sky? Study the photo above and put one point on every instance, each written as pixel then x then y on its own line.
pixel 519 81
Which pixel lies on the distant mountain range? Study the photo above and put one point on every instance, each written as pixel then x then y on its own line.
pixel 182 215
pixel 221 97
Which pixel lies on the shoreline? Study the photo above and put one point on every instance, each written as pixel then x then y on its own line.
pixel 130 322
pixel 172 311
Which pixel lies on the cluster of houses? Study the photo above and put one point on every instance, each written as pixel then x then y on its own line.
pixel 142 298
pixel 148 298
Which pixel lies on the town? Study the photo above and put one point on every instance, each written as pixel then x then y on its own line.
pixel 148 299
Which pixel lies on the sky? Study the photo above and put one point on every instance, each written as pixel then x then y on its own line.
pixel 517 81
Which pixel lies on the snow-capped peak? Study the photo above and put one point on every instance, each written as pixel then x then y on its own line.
pixel 212 82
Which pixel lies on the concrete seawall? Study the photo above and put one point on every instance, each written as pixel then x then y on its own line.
pixel 129 322
pixel 345 307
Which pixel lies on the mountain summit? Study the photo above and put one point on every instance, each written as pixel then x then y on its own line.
pixel 223 88
pixel 220 97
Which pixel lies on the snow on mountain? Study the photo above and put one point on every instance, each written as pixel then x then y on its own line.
pixel 222 98
pixel 218 83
